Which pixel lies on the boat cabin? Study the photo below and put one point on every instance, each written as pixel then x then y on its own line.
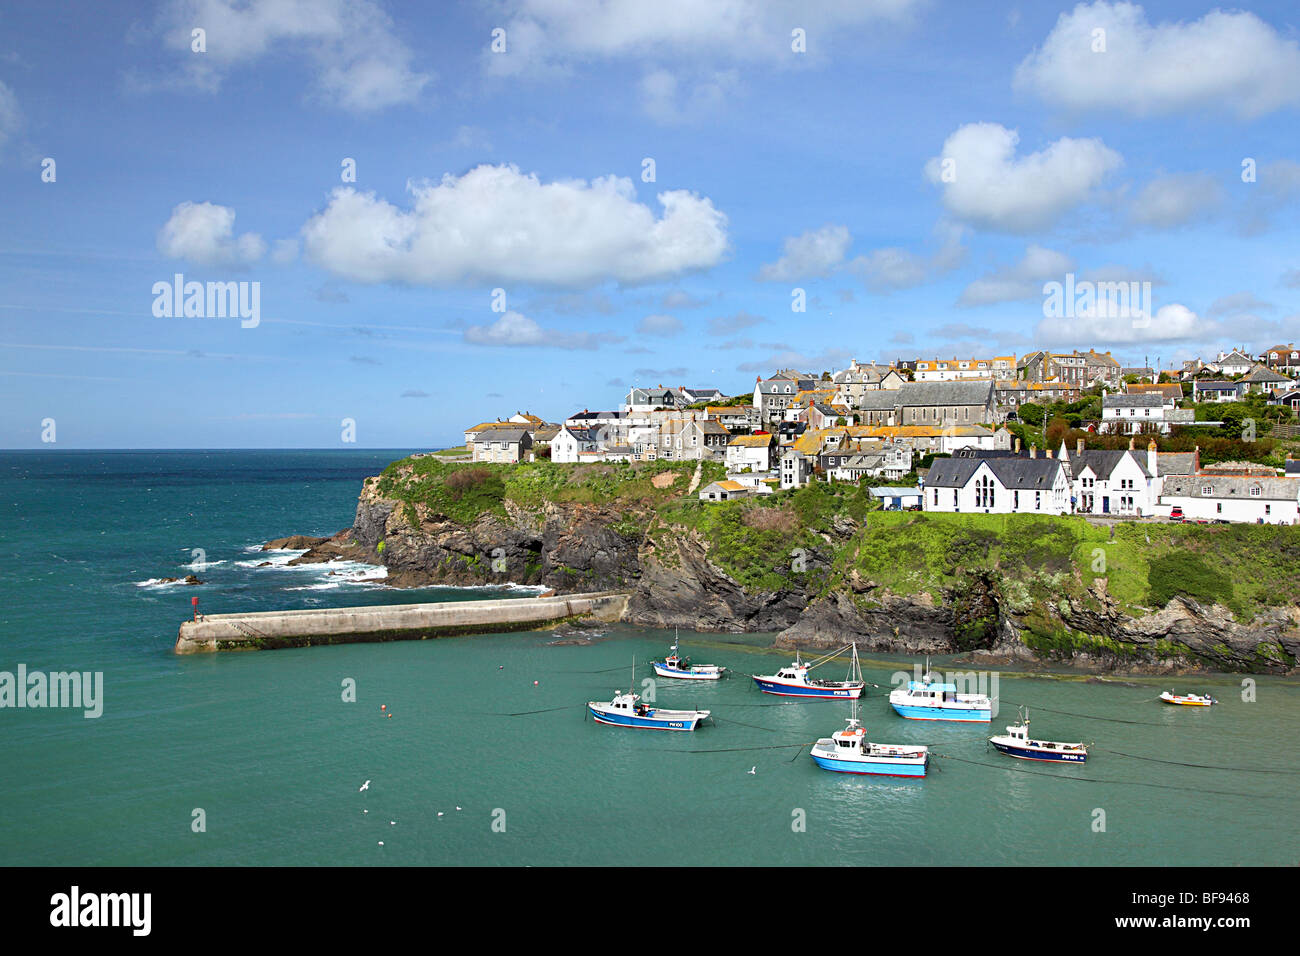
pixel 927 690
pixel 628 703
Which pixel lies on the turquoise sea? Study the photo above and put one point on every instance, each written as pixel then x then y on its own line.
pixel 265 746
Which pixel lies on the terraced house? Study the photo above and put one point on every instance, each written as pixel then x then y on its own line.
pixel 1250 498
pixel 955 369
pixel 773 396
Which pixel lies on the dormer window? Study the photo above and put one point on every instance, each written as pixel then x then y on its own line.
pixel 1256 491
pixel 1206 491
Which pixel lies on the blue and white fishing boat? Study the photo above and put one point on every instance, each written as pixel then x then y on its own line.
pixel 793 681
pixel 626 710
pixel 1016 742
pixel 849 751
pixel 926 699
pixel 674 665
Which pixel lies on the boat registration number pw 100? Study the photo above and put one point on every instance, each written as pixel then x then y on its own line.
pixel 675 723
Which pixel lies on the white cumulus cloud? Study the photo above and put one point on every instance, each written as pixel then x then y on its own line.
pixel 986 184
pixel 360 62
pixel 515 329
pixel 495 224
pixel 1170 323
pixel 1176 199
pixel 815 253
pixel 1020 281
pixel 204 233
pixel 1228 60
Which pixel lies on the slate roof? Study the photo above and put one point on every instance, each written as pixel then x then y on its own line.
pixel 977 392
pixel 1103 461
pixel 1170 463
pixel 1146 400
pixel 1262 373
pixel 1015 474
pixel 1232 486
pixel 512 435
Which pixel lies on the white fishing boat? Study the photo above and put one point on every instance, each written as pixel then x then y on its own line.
pixel 849 751
pixel 1188 700
pixel 674 665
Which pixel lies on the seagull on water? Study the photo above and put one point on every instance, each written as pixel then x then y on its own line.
pixel 753 770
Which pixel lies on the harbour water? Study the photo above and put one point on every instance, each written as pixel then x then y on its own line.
pixel 265 745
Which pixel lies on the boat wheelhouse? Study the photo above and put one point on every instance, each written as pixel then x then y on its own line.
pixel 1016 742
pixel 928 699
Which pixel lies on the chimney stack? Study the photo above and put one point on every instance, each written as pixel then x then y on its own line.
pixel 1033 451
pixel 1048 452
pixel 1078 447
pixel 1131 445
pixel 1153 458
pixel 1017 446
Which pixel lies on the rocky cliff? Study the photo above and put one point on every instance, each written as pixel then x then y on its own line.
pixel 824 569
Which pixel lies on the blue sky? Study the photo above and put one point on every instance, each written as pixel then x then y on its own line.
pixel 523 170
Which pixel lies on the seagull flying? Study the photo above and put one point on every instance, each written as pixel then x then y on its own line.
pixel 365 786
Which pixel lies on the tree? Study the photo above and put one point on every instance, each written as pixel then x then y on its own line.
pixel 1032 414
pixel 1057 431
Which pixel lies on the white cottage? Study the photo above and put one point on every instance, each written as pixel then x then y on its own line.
pixel 1234 498
pixel 998 486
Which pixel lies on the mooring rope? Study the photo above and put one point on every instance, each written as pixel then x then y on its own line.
pixel 1122 783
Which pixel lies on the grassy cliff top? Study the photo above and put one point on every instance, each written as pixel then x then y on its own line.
pixel 463 491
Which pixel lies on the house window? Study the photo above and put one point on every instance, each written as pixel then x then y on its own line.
pixel 1255 491
pixel 1206 491
pixel 1038 501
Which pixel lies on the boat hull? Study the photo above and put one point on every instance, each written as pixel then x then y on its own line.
pixel 965 715
pixel 883 768
pixel 647 722
pixel 770 685
pixel 664 671
pixel 1030 753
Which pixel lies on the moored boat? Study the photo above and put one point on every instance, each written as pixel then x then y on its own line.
pixel 627 710
pixel 1188 700
pixel 927 699
pixel 849 751
pixel 1016 742
pixel 793 681
pixel 674 665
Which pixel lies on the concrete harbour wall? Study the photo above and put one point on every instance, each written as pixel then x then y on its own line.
pixel 265 630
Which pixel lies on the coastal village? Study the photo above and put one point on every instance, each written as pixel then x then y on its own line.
pixel 1047 433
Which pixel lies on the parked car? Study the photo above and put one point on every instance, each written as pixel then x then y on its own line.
pixel 1176 514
